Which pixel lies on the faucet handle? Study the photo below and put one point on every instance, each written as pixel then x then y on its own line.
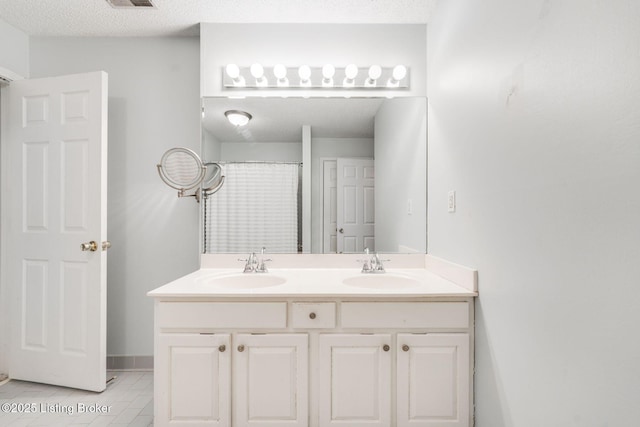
pixel 366 266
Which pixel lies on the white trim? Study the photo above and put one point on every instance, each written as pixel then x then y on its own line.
pixel 6 74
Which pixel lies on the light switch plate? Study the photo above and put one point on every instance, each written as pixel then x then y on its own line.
pixel 451 201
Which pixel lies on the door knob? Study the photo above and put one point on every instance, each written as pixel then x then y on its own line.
pixel 341 230
pixel 91 246
pixel 106 245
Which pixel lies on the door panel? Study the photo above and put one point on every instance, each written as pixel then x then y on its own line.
pixel 355 205
pixel 54 159
pixel 195 391
pixel 433 380
pixel 271 380
pixel 355 380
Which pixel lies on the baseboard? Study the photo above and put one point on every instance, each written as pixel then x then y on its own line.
pixel 130 363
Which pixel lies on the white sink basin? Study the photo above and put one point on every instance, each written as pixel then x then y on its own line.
pixel 381 281
pixel 244 281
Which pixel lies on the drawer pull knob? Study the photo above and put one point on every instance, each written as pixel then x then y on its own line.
pixel 240 348
pixel 405 348
pixel 312 315
pixel 222 348
pixel 385 347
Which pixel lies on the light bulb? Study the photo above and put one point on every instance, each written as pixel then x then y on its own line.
pixel 399 73
pixel 257 71
pixel 328 71
pixel 375 71
pixel 305 73
pixel 350 72
pixel 233 71
pixel 280 71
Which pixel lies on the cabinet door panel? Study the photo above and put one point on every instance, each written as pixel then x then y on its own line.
pixel 271 380
pixel 433 380
pixel 195 382
pixel 355 380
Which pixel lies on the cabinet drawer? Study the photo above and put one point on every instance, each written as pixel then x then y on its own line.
pixel 405 315
pixel 313 315
pixel 237 315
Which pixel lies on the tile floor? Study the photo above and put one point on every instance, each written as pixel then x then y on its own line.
pixel 127 401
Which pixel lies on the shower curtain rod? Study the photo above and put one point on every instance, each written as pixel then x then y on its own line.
pixel 223 162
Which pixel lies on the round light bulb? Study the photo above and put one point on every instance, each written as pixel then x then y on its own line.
pixel 257 70
pixel 233 71
pixel 328 71
pixel 375 71
pixel 280 71
pixel 399 72
pixel 351 71
pixel 304 72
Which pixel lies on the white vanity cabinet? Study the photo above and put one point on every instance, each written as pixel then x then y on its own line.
pixel 313 362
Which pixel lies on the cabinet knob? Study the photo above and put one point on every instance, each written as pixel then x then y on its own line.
pixel 405 348
pixel 222 348
pixel 240 348
pixel 312 315
pixel 385 347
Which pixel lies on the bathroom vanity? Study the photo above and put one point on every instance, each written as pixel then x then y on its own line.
pixel 315 342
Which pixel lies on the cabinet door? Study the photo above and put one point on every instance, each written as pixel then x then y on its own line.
pixel 270 379
pixel 355 380
pixel 192 380
pixel 433 380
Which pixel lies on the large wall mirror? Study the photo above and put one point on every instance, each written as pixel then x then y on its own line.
pixel 319 175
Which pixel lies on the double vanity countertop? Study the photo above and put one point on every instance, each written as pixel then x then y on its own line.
pixel 307 276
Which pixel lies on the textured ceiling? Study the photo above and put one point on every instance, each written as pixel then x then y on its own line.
pixel 181 17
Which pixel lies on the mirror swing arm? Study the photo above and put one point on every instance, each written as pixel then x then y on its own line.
pixel 182 169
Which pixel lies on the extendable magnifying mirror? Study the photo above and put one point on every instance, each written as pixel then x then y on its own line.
pixel 213 179
pixel 182 169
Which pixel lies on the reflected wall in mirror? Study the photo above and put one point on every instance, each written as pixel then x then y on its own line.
pixel 319 175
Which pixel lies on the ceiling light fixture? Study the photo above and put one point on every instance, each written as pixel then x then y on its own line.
pixel 238 117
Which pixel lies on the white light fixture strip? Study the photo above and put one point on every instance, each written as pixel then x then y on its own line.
pixel 350 77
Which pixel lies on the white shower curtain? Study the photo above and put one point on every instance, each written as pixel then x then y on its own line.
pixel 256 207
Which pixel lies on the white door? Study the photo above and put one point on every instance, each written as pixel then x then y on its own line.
pixel 270 380
pixel 355 380
pixel 54 182
pixel 194 385
pixel 433 380
pixel 355 203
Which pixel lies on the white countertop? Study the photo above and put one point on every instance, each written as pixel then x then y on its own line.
pixel 312 282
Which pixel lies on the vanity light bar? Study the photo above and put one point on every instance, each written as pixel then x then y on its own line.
pixel 305 77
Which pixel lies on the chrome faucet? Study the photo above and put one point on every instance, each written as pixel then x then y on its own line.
pixel 253 265
pixel 373 263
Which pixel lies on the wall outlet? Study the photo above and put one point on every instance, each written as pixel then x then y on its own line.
pixel 451 201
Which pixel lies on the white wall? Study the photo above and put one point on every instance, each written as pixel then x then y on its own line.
pixel 153 106
pixel 533 120
pixel 401 175
pixel 14 51
pixel 330 148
